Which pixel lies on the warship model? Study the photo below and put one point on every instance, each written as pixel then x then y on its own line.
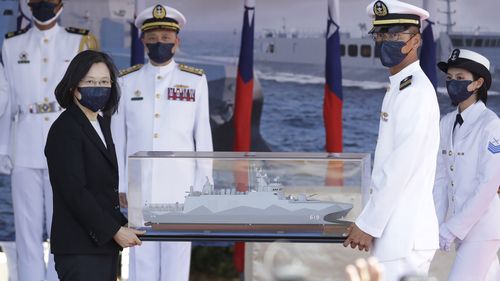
pixel 265 205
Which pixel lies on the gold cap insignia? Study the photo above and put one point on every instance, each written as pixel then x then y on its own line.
pixel 159 12
pixel 380 9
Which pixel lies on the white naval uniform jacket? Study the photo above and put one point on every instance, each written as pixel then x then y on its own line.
pixel 5 119
pixel 35 62
pixel 400 211
pixel 468 174
pixel 151 117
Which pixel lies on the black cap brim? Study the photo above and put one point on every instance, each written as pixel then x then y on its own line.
pixel 389 28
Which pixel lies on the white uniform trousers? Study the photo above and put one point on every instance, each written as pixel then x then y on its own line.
pixel 476 261
pixel 32 204
pixel 9 249
pixel 417 263
pixel 160 261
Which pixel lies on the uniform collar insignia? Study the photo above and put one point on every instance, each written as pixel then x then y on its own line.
pixel 405 82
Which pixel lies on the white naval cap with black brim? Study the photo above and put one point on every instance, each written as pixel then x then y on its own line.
pixel 391 16
pixel 471 61
pixel 160 17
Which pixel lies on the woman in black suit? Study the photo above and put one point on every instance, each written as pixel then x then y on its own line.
pixel 88 229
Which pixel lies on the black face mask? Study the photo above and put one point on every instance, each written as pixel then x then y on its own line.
pixel 160 52
pixel 43 11
pixel 94 98
pixel 457 90
pixel 390 52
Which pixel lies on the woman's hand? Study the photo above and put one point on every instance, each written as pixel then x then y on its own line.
pixel 127 237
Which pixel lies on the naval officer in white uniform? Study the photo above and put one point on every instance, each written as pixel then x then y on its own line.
pixel 468 171
pixel 9 248
pixel 35 60
pixel 164 107
pixel 399 217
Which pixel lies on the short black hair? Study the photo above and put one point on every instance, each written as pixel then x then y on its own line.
pixel 482 92
pixel 77 69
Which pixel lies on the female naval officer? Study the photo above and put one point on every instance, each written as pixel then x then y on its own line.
pixel 468 170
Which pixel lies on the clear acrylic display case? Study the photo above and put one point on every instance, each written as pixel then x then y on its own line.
pixel 233 196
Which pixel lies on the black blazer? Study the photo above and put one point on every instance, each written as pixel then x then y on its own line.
pixel 84 178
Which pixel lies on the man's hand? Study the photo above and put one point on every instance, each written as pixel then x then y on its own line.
pixel 446 238
pixel 123 199
pixel 358 238
pixel 127 237
pixel 362 270
pixel 5 165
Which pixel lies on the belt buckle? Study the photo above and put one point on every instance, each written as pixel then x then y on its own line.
pixel 44 107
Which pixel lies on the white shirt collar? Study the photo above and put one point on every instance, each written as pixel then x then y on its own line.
pixel 49 33
pixel 161 70
pixel 471 113
pixel 405 72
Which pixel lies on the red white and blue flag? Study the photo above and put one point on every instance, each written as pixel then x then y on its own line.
pixel 242 120
pixel 332 103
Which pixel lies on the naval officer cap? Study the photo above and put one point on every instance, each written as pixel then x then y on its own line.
pixel 471 61
pixel 394 16
pixel 160 17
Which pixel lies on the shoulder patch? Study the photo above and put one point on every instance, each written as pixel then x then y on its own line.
pixel 190 69
pixel 494 146
pixel 405 82
pixel 75 30
pixel 15 33
pixel 129 70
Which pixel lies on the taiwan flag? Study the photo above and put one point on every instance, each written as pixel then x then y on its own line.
pixel 244 84
pixel 242 120
pixel 332 103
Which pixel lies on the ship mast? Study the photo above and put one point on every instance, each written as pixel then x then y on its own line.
pixel 449 23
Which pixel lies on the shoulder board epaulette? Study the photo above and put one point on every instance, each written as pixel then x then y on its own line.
pixel 405 82
pixel 15 33
pixel 75 30
pixel 190 69
pixel 129 70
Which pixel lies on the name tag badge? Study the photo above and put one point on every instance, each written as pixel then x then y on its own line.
pixel 137 96
pixel 181 94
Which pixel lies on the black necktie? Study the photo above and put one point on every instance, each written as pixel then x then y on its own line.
pixel 458 120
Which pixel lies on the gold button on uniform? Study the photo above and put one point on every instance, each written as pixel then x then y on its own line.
pixel 46 118
pixel 452 183
pixel 45 60
pixel 45 40
pixel 45 79
pixel 451 168
pixel 450 153
pixel 156 135
pixel 46 99
pixel 157 115
pixel 157 95
pixel 159 77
